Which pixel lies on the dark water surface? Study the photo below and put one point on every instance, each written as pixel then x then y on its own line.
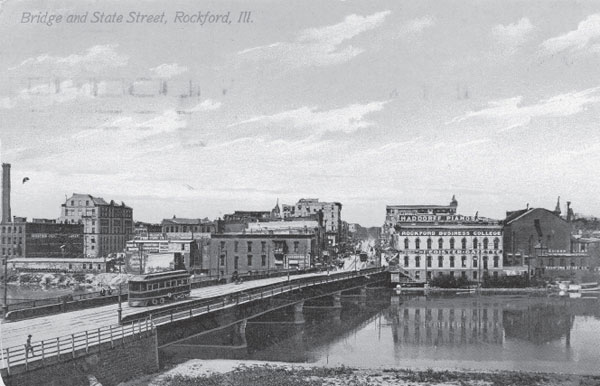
pixel 549 334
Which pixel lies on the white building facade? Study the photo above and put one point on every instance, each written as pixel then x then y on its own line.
pixel 433 240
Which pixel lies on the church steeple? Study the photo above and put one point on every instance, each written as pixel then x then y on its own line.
pixel 557 209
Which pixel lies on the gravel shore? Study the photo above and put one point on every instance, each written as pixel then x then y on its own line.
pixel 254 373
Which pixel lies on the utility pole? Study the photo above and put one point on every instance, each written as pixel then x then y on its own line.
pixel 120 309
pixel 5 302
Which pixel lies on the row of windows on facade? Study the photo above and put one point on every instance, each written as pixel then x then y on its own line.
pixel 185 228
pixel 263 246
pixel 14 229
pixel 236 261
pixel 10 240
pixel 463 274
pixel 126 212
pixel 463 261
pixel 562 262
pixel 452 243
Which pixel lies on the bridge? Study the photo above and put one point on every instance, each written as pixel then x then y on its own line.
pixel 74 339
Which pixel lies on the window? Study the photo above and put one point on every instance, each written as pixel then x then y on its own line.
pixel 474 262
pixel 475 243
pixel 72 202
pixel 428 243
pixel 485 243
pixel 463 274
pixel 222 244
pixel 440 261
pixel 496 243
pixel 441 243
pixel 222 260
pixel 235 246
pixel 417 261
pixel 551 262
pixel 451 261
pixel 463 243
pixel 87 202
pixel 429 261
pixel 406 261
pixel 263 260
pixel 236 262
pixel 463 261
pixel 451 273
pixel 296 244
pixel 99 266
pixel 249 260
pixel 485 262
pixel 428 274
pixel 406 243
pixel 417 243
pixel 495 261
pixel 263 246
pixel 249 246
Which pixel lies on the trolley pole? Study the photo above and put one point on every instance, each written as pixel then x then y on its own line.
pixel 120 309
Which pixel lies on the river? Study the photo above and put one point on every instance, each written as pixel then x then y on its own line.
pixel 548 334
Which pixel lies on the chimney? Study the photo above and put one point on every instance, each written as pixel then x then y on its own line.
pixel 569 212
pixel 6 215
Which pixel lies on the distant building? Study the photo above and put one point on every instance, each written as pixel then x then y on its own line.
pixel 41 238
pixel 244 253
pixel 144 230
pixel 328 213
pixel 107 225
pixel 38 264
pixel 433 240
pixel 542 241
pixel 188 228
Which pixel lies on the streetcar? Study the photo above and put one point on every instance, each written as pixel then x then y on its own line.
pixel 159 287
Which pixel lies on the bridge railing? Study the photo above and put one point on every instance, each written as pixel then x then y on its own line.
pixel 189 311
pixel 71 346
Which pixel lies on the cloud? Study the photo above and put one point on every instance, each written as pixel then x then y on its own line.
pixel 346 119
pixel 509 113
pixel 7 103
pixel 512 36
pixel 94 59
pixel 168 70
pixel 49 93
pixel 319 46
pixel 585 37
pixel 206 105
pixel 416 26
pixel 167 122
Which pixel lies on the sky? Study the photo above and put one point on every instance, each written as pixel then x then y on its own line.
pixel 367 103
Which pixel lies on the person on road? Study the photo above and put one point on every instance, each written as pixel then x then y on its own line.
pixel 28 346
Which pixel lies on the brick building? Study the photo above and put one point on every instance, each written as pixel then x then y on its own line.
pixel 244 252
pixel 107 225
pixel 41 238
pixel 188 228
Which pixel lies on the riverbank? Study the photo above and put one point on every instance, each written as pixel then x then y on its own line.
pixel 255 373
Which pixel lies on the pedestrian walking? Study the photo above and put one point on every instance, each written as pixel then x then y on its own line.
pixel 28 346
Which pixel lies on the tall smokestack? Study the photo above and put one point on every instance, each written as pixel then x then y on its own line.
pixel 6 216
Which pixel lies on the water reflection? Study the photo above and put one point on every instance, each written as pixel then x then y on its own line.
pixel 387 330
